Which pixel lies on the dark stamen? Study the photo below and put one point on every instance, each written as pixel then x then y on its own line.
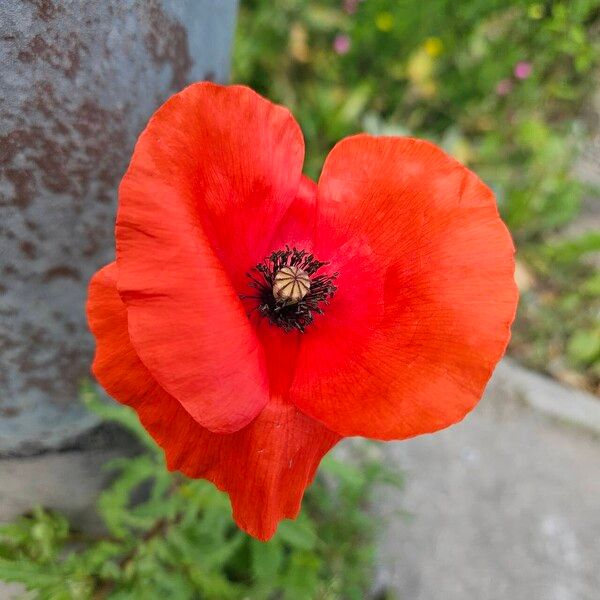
pixel 290 314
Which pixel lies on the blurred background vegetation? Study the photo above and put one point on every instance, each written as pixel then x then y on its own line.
pixel 506 86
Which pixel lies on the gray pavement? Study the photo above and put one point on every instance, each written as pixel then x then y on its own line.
pixel 503 506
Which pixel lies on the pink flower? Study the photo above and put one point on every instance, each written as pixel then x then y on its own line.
pixel 504 87
pixel 341 43
pixel 350 6
pixel 523 69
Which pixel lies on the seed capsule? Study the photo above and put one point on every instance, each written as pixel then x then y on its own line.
pixel 291 284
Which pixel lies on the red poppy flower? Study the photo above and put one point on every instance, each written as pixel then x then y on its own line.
pixel 253 318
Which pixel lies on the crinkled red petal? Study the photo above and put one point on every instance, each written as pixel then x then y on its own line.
pixel 211 177
pixel 265 467
pixel 449 296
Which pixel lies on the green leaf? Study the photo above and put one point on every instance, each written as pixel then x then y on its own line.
pixel 213 585
pixel 266 559
pixel 350 474
pixel 299 534
pixel 584 346
pixel 29 573
pixel 301 580
pixel 571 250
pixel 114 503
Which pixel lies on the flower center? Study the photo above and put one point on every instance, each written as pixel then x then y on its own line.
pixel 291 284
pixel 288 289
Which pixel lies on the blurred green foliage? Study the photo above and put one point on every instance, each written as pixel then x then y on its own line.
pixel 504 85
pixel 177 539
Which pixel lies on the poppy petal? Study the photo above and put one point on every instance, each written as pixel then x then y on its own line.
pixel 296 229
pixel 449 295
pixel 210 179
pixel 265 467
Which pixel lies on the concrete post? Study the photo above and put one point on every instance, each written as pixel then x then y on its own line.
pixel 78 81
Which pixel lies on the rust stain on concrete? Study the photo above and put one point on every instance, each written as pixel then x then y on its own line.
pixel 77 86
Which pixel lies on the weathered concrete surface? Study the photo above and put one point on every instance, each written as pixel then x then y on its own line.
pixel 11 591
pixel 504 506
pixel 69 482
pixel 78 81
pixel 545 394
